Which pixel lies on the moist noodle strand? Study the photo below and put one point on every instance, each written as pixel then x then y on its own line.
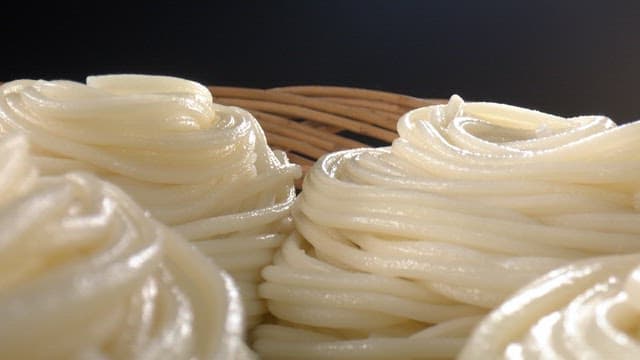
pixel 85 273
pixel 400 251
pixel 204 169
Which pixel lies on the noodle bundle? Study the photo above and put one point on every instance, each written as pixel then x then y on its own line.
pixel 587 310
pixel 400 251
pixel 202 168
pixel 85 273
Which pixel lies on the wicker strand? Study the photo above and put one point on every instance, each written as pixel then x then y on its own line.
pixel 309 121
pixel 357 93
pixel 295 111
pixel 314 136
pixel 390 110
pixel 384 120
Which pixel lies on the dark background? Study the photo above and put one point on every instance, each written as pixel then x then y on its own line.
pixel 568 58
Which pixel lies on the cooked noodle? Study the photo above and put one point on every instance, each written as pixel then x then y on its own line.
pixel 587 310
pixel 402 250
pixel 203 168
pixel 85 273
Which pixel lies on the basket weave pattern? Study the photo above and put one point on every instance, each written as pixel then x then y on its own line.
pixel 310 121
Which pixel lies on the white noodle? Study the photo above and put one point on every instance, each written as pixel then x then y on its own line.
pixel 470 203
pixel 586 310
pixel 85 273
pixel 201 167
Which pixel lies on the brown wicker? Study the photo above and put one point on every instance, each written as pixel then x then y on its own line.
pixel 309 121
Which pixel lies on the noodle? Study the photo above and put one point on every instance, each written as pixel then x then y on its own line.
pixel 400 251
pixel 587 310
pixel 84 273
pixel 204 169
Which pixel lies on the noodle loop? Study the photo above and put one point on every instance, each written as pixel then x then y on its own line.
pixel 203 168
pixel 85 273
pixel 470 203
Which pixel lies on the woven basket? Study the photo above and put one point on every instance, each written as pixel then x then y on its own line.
pixel 310 121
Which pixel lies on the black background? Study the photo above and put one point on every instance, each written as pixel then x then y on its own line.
pixel 568 58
